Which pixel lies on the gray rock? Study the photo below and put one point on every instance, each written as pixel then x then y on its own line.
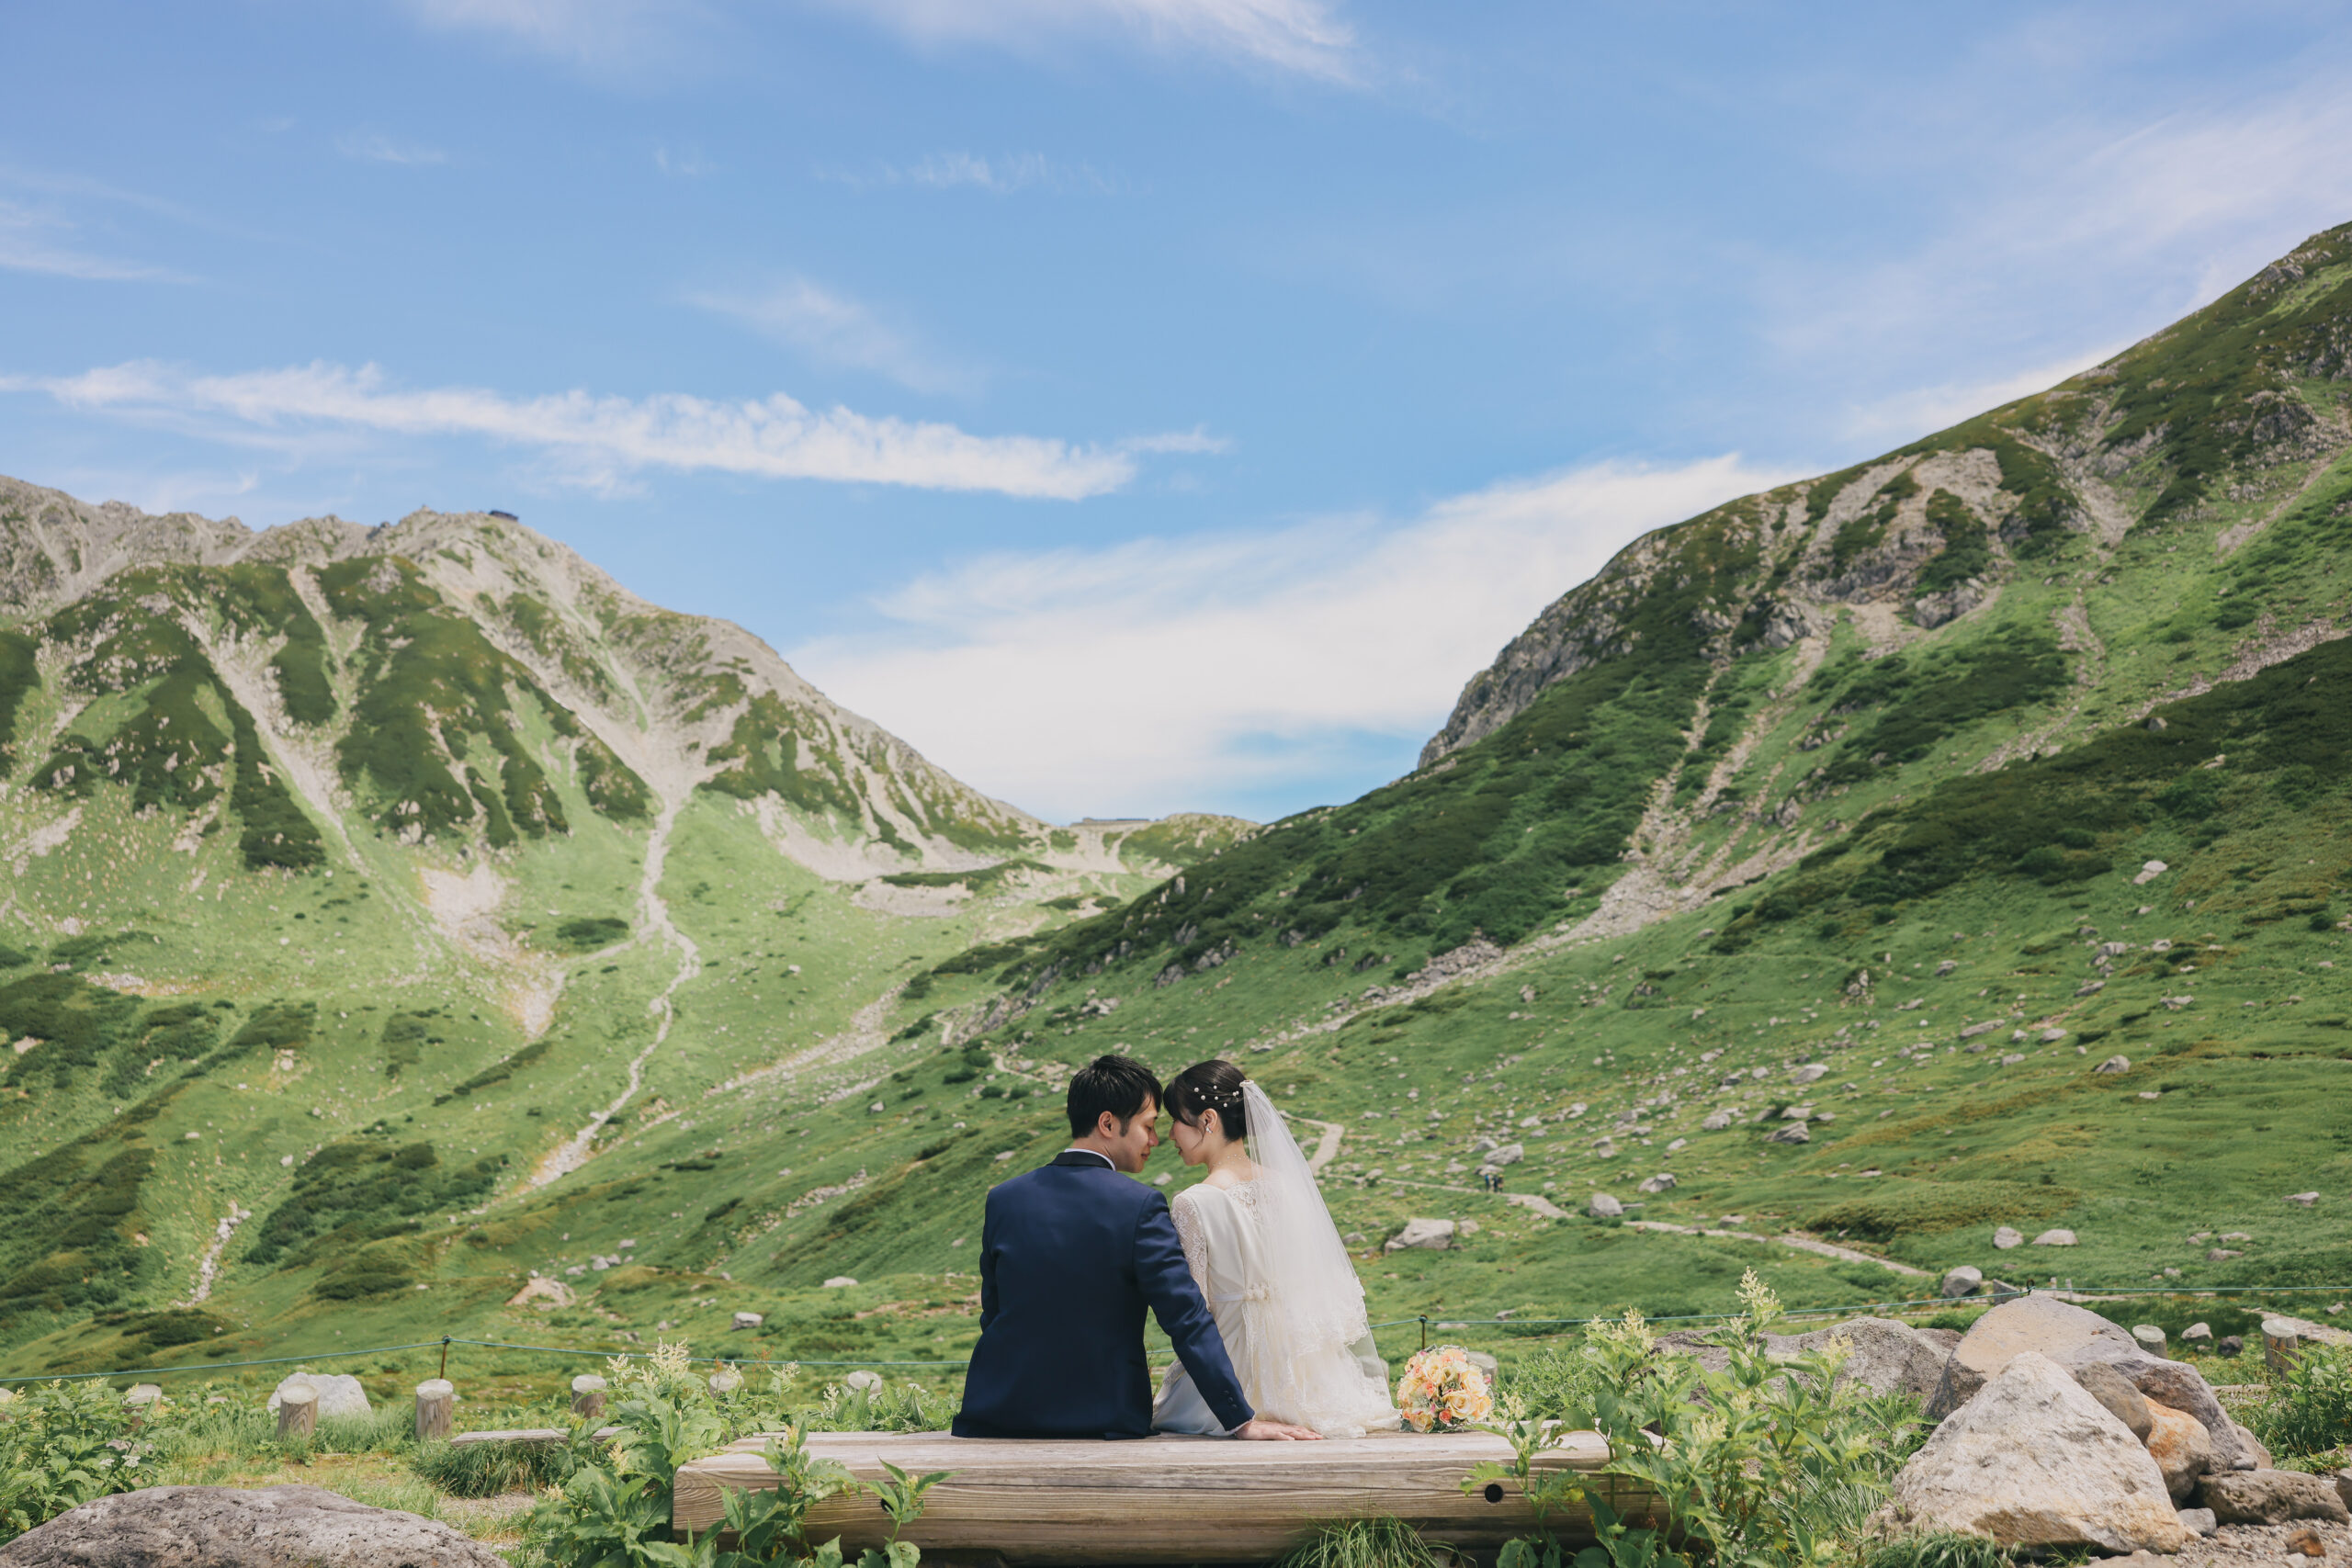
pixel 2031 1323
pixel 1882 1355
pixel 2196 1333
pixel 219 1527
pixel 2200 1520
pixel 2055 1237
pixel 2183 1388
pixel 1662 1182
pixel 2113 1390
pixel 1484 1362
pixel 340 1394
pixel 2305 1199
pixel 2151 1337
pixel 2007 1236
pixel 748 1319
pixel 1962 1282
pixel 1811 1072
pixel 2343 1480
pixel 1718 1120
pixel 2251 1447
pixel 1510 1153
pixel 1602 1206
pixel 1434 1236
pixel 2114 1063
pixel 2229 1345
pixel 1793 1133
pixel 2271 1498
pixel 143 1394
pixel 2033 1460
pixel 2182 1449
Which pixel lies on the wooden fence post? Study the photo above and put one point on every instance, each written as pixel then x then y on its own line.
pixel 298 1411
pixel 435 1399
pixel 588 1397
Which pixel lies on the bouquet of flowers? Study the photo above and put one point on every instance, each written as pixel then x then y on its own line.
pixel 1443 1390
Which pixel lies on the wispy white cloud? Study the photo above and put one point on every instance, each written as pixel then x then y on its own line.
pixel 1303 36
pixel 1904 415
pixel 599 442
pixel 374 147
pixel 35 241
pixel 598 36
pixel 682 162
pixel 1162 674
pixel 834 329
pixel 998 175
pixel 2084 216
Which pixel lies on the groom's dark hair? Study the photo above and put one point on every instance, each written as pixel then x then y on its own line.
pixel 1119 1084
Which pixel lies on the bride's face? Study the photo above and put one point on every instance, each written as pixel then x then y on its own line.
pixel 1197 1146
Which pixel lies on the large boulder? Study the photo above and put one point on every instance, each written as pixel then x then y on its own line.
pixel 1883 1356
pixel 2034 1461
pixel 2075 1339
pixel 219 1527
pixel 340 1395
pixel 2271 1498
pixel 2182 1449
pixel 2042 1323
pixel 1435 1235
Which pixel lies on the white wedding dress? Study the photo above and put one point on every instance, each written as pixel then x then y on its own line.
pixel 1270 1264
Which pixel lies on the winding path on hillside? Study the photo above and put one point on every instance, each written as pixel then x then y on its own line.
pixel 573 1152
pixel 1326 1148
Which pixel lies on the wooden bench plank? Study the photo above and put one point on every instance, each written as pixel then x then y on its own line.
pixel 1165 1499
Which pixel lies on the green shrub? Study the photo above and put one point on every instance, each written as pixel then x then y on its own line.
pixel 613 1509
pixel 61 1445
pixel 2309 1407
pixel 1769 1464
pixel 589 932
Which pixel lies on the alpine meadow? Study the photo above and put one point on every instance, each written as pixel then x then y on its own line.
pixel 408 932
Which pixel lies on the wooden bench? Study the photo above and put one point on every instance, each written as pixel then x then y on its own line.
pixel 1163 1499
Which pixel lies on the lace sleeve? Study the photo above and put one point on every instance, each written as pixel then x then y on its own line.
pixel 1185 1210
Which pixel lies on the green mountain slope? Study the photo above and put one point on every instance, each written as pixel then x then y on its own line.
pixel 362 877
pixel 1871 774
pixel 1952 843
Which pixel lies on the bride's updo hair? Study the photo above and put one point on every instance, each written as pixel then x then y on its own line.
pixel 1210 1086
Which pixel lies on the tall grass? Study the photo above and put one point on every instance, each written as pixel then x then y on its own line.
pixel 1379 1542
pixel 485 1470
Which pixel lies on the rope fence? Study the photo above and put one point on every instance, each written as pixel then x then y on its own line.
pixel 1424 1321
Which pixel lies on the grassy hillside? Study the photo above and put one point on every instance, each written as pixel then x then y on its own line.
pixel 1952 843
pixel 367 883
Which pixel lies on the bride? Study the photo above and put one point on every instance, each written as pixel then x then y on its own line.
pixel 1268 1260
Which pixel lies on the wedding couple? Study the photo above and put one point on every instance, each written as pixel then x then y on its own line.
pixel 1248 1277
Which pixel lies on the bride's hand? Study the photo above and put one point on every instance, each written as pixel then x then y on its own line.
pixel 1258 1429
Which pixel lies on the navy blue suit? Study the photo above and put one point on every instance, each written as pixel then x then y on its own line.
pixel 1070 1255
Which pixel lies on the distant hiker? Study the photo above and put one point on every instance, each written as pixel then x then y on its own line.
pixel 1071 1255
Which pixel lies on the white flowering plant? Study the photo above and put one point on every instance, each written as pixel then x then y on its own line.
pixel 1769 1464
pixel 613 1507
pixel 62 1444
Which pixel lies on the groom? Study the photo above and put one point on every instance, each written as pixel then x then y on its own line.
pixel 1070 1255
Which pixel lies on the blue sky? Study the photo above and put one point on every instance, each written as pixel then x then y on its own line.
pixel 1138 405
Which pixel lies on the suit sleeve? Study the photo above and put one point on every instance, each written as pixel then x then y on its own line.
pixel 987 1261
pixel 1167 1283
